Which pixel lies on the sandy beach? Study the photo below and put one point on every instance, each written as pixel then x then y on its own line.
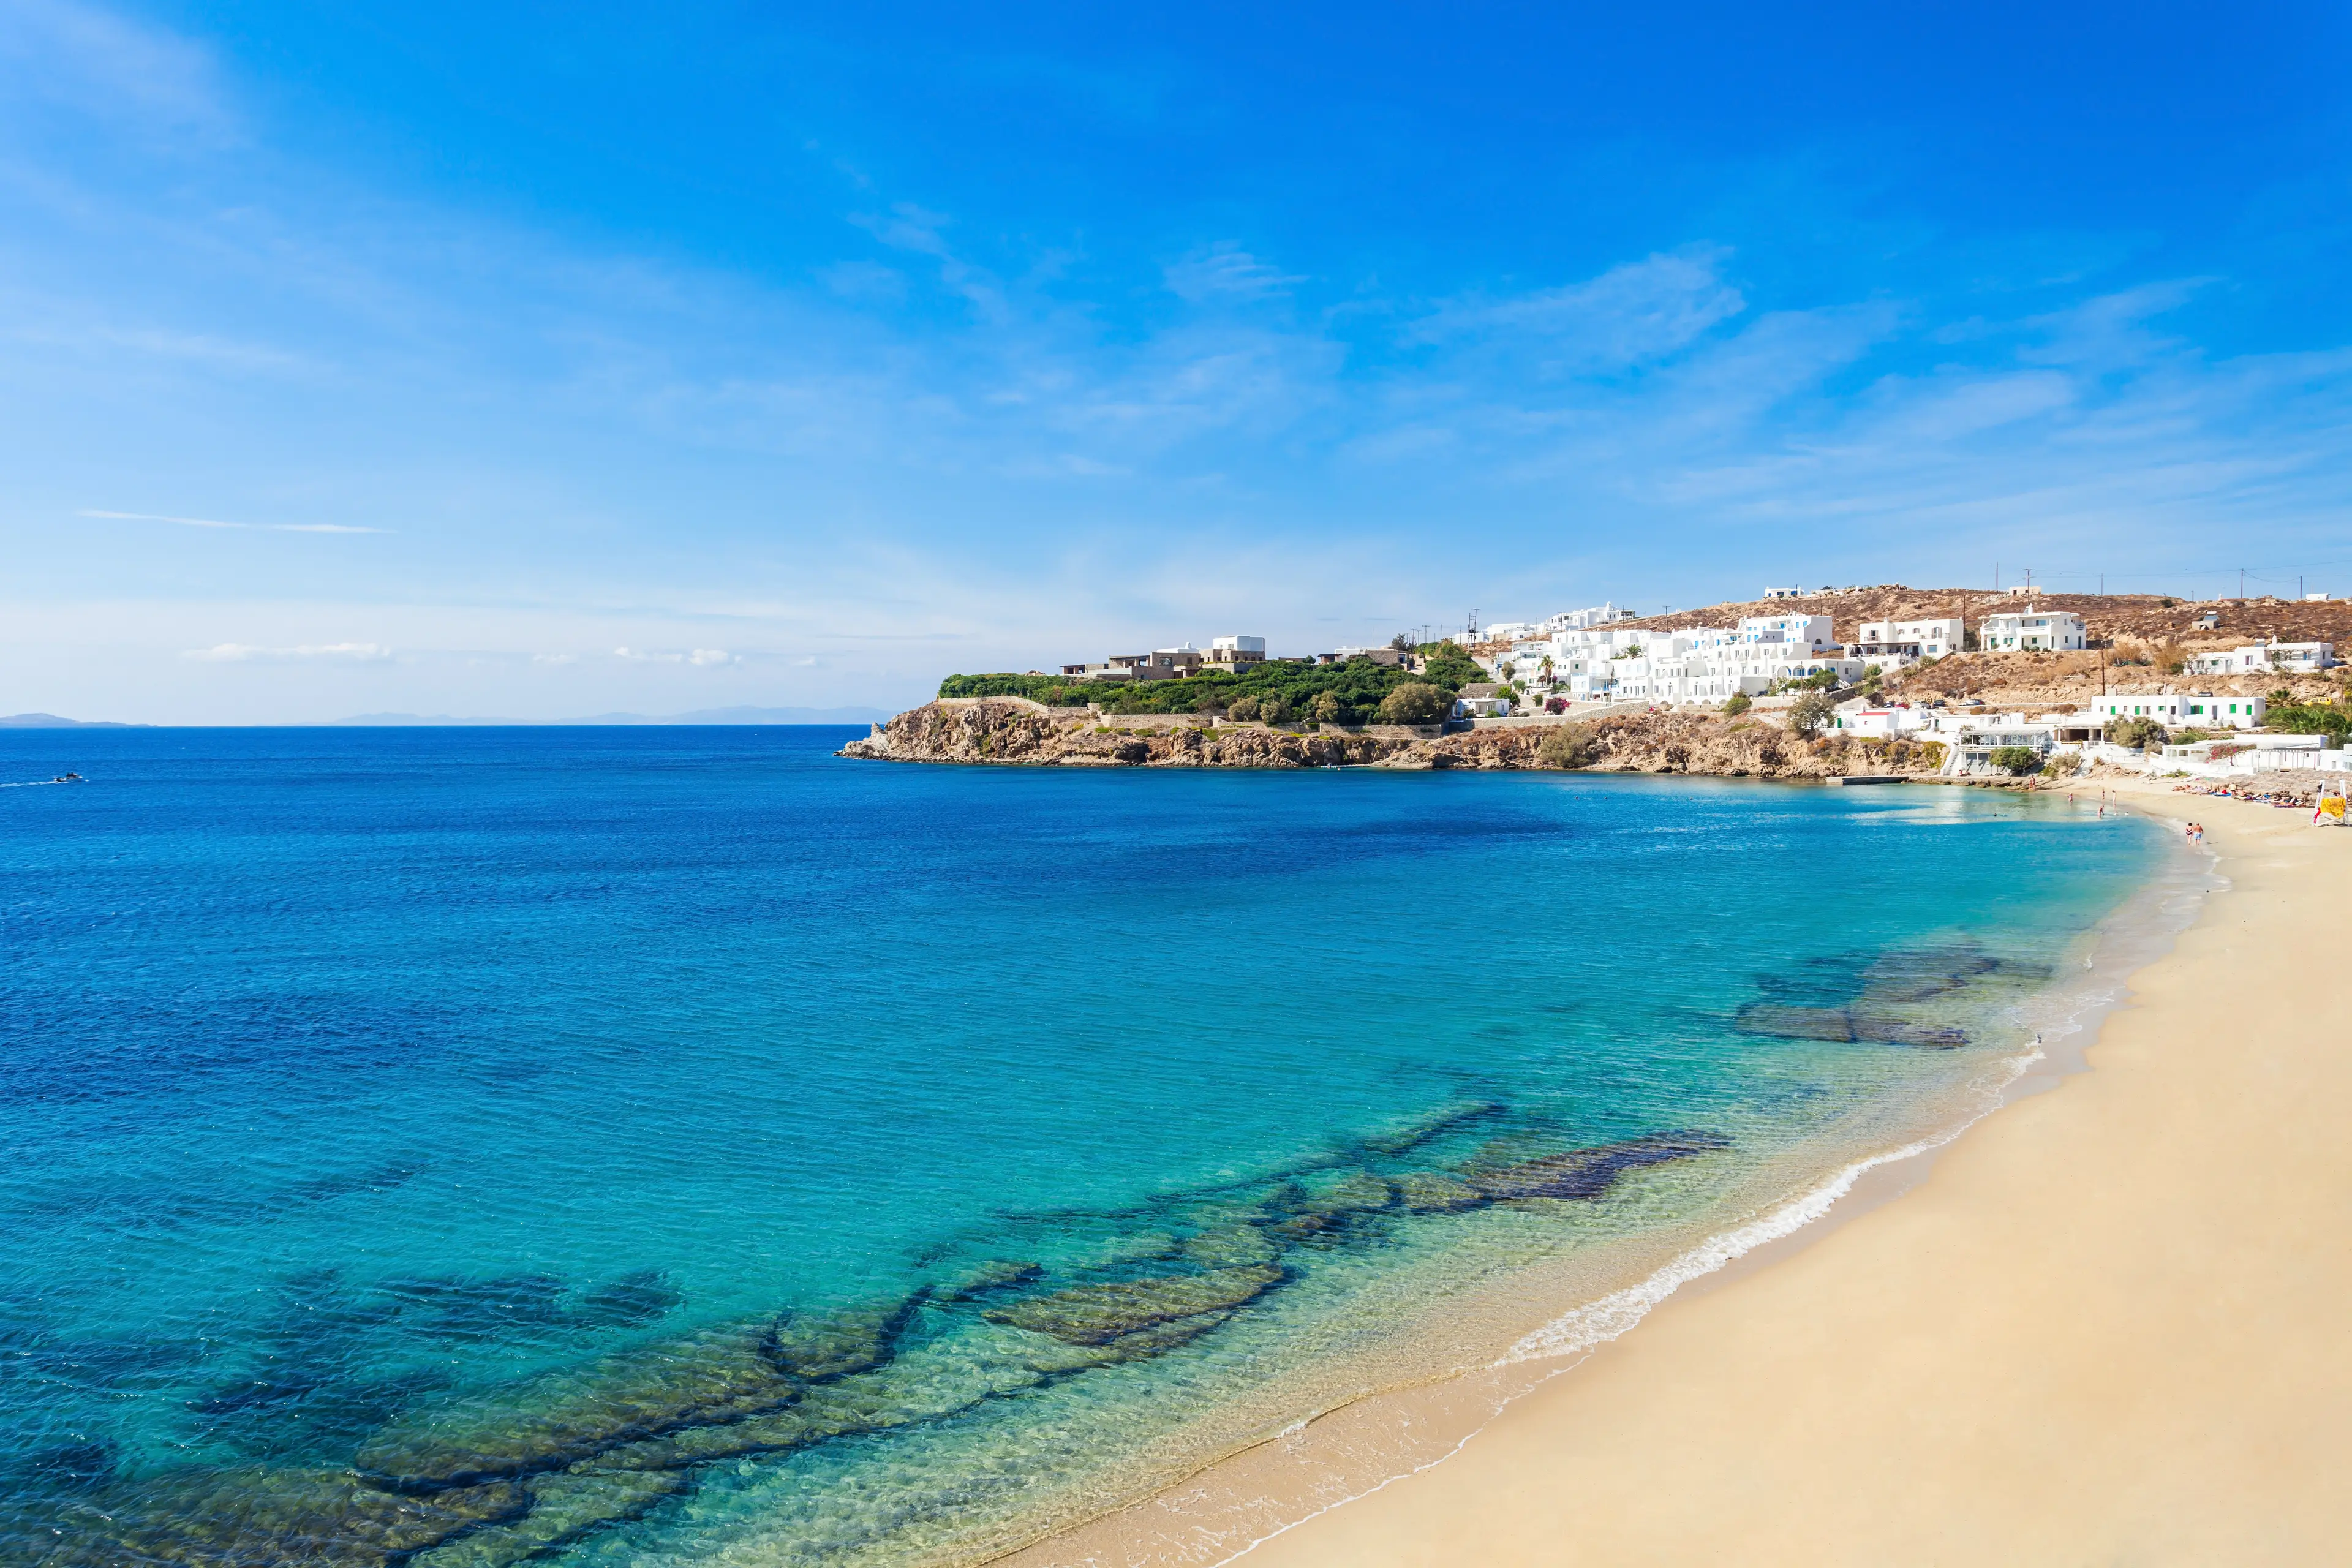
pixel 2109 1324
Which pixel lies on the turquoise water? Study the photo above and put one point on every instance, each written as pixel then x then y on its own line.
pixel 376 1097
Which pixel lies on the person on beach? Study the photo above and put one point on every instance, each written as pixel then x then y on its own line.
pixel 2328 810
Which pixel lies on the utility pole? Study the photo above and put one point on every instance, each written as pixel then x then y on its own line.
pixel 2241 582
pixel 2028 582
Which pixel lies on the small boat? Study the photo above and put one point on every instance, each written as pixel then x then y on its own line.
pixel 68 778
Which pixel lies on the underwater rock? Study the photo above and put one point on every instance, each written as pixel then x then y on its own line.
pixel 552 1422
pixel 1796 1023
pixel 1841 1024
pixel 1420 1129
pixel 1894 1031
pixel 1917 975
pixel 1144 1247
pixel 1098 1314
pixel 563 1507
pixel 992 1274
pixel 1231 1246
pixel 1349 1192
pixel 1433 1191
pixel 1052 1356
pixel 1585 1174
pixel 259 1517
pixel 1300 1228
pixel 815 1347
pixel 630 1301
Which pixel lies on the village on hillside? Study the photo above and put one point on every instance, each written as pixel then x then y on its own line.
pixel 2015 683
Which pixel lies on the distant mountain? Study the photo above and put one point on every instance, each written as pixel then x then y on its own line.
pixel 51 721
pixel 701 716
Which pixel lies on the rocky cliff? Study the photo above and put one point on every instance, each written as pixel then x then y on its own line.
pixel 1013 732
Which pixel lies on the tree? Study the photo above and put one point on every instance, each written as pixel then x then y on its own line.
pixel 1401 642
pixel 1737 703
pixel 1243 710
pixel 1872 678
pixel 1274 709
pixel 2015 761
pixel 1415 702
pixel 1570 746
pixel 1811 713
pixel 2135 732
pixel 1327 707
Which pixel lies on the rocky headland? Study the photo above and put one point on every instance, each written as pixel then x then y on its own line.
pixel 1015 732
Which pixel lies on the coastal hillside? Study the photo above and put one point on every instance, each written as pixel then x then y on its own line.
pixel 2149 618
pixel 1017 733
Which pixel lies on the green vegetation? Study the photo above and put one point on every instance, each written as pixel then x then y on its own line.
pixel 1358 687
pixel 1811 713
pixel 1570 746
pixel 1737 703
pixel 2015 761
pixel 1415 702
pixel 2332 719
pixel 2135 732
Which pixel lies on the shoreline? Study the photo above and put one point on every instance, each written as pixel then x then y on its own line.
pixel 1325 1462
pixel 2072 1339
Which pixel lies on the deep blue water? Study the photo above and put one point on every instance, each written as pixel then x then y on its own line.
pixel 346 1074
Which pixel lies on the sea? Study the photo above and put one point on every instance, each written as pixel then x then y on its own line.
pixel 669 1145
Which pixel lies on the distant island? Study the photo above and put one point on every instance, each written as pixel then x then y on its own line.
pixel 51 721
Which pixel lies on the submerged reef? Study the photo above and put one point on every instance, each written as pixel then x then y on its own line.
pixel 493 1477
pixel 1881 998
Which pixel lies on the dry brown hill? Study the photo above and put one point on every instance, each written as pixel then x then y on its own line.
pixel 2106 618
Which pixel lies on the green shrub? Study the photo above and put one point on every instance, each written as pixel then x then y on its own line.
pixel 1275 710
pixel 1811 713
pixel 1416 702
pixel 1242 710
pixel 1327 707
pixel 2135 732
pixel 1737 703
pixel 2015 761
pixel 1570 746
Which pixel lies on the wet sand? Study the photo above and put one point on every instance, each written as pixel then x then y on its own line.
pixel 2112 1323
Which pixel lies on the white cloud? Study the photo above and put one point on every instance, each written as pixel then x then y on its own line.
pixel 246 653
pixel 700 657
pixel 111 69
pixel 1636 312
pixel 257 526
pixel 1228 272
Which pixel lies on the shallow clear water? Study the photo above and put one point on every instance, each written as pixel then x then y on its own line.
pixel 348 1074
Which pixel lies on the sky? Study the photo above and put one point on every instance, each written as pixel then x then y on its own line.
pixel 551 359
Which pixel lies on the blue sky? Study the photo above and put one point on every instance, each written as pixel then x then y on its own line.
pixel 554 360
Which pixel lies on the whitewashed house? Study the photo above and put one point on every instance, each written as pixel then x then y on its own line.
pixel 2183 711
pixel 2015 631
pixel 1899 642
pixel 2299 657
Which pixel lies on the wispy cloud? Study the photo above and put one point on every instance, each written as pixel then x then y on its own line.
pixel 1226 272
pixel 701 658
pixel 246 653
pixel 214 522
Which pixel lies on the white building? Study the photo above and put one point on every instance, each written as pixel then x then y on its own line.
pixel 1885 723
pixel 2304 658
pixel 2017 630
pixel 1901 641
pixel 2183 711
pixel 1236 650
pixel 1598 615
